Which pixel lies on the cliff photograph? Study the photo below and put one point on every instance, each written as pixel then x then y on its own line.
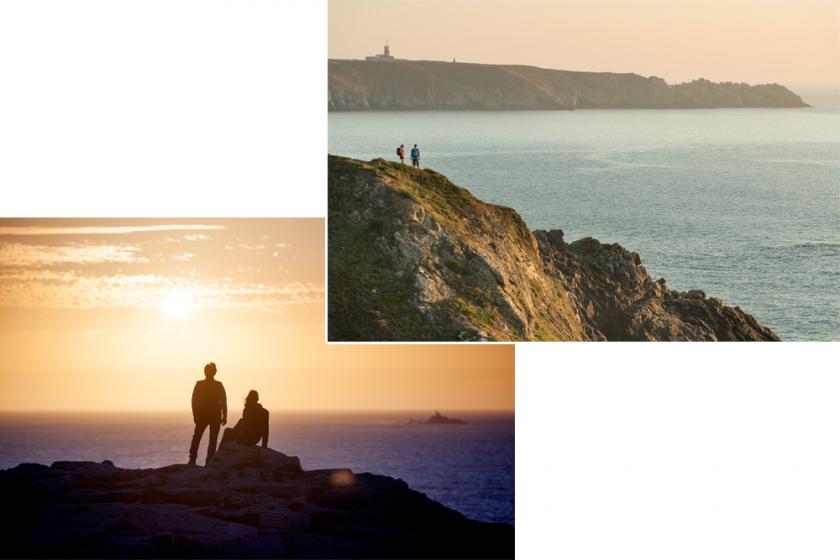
pixel 602 177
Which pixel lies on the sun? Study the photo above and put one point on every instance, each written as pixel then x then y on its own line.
pixel 177 305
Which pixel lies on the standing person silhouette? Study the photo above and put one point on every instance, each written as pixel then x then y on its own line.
pixel 401 153
pixel 415 157
pixel 209 408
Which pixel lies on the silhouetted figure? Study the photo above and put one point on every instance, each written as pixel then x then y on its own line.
pixel 401 153
pixel 253 426
pixel 209 408
pixel 415 157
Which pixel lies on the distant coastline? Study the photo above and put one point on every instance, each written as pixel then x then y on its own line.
pixel 403 85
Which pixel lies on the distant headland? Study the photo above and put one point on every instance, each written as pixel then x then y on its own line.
pixel 383 82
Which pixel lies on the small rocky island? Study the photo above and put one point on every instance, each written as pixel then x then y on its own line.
pixel 414 257
pixel 249 502
pixel 437 418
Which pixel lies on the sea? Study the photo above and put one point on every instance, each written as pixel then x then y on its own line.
pixel 741 203
pixel 467 467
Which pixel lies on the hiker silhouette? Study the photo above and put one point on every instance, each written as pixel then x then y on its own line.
pixel 253 426
pixel 209 408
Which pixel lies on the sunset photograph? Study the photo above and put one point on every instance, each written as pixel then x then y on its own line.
pixel 169 383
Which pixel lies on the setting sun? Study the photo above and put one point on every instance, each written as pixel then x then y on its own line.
pixel 178 304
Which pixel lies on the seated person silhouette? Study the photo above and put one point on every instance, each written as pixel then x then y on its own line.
pixel 253 426
pixel 209 408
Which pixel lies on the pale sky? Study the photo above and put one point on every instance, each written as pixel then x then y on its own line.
pixel 123 315
pixel 792 42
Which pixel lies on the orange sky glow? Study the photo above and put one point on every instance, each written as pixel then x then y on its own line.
pixel 118 314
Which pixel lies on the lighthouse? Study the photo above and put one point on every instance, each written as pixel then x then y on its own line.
pixel 384 57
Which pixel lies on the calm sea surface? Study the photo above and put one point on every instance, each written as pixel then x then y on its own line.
pixel 742 203
pixel 467 467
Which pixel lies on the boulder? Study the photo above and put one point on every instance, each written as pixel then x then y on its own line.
pixel 232 456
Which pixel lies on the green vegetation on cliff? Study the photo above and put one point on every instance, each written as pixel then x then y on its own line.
pixel 412 256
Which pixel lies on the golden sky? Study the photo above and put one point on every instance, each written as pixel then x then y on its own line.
pixel 122 314
pixel 792 42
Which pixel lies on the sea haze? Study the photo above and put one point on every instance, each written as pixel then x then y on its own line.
pixel 741 203
pixel 469 467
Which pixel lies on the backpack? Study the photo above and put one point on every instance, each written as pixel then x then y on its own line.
pixel 399 151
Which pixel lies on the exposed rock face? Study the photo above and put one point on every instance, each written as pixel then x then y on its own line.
pixel 414 257
pixel 356 85
pixel 248 502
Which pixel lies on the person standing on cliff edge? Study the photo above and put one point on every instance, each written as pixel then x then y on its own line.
pixel 415 157
pixel 209 408
pixel 401 154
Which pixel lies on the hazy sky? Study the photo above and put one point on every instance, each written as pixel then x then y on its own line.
pixel 123 315
pixel 792 42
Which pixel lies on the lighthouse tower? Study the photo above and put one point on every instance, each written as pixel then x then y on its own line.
pixel 384 57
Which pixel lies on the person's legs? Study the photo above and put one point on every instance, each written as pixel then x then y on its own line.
pixel 200 426
pixel 214 436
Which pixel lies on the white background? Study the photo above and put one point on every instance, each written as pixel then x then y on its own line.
pixel 209 108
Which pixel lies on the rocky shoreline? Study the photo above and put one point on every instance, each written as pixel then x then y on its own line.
pixel 248 502
pixel 414 257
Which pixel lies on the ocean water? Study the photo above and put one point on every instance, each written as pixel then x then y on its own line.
pixel 741 203
pixel 469 467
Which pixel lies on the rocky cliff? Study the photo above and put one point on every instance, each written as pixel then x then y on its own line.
pixel 248 502
pixel 356 85
pixel 414 257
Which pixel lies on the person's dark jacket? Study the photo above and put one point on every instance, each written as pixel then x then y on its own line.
pixel 209 401
pixel 254 425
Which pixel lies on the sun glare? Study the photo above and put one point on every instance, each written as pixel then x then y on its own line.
pixel 177 305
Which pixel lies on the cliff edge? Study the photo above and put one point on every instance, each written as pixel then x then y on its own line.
pixel 248 502
pixel 359 85
pixel 413 257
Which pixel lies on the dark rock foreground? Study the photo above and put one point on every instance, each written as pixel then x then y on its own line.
pixel 414 257
pixel 248 502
